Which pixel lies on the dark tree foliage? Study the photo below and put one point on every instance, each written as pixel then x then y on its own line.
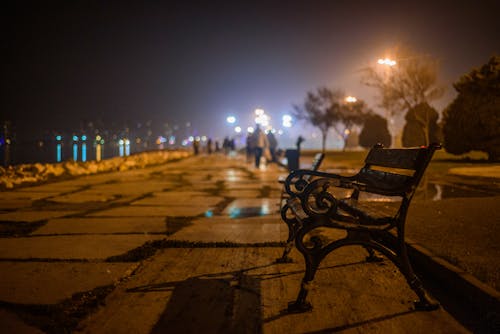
pixel 327 109
pixel 472 120
pixel 374 131
pixel 415 129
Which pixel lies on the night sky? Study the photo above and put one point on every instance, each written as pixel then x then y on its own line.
pixel 72 61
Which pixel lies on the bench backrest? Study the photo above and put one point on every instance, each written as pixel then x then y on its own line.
pixel 395 171
pixel 318 158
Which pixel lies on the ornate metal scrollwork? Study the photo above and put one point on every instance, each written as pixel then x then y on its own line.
pixel 317 200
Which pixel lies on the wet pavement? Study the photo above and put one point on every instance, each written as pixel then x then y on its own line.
pixel 184 247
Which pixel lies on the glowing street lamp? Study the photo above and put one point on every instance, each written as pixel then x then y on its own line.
pixel 350 99
pixel 231 119
pixel 386 61
pixel 287 121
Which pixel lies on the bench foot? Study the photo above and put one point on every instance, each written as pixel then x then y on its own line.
pixel 296 307
pixel 430 305
pixel 374 258
pixel 284 259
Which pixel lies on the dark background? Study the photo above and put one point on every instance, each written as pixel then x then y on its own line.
pixel 73 62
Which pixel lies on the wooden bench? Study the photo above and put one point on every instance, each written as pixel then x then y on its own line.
pixel 391 174
pixel 317 160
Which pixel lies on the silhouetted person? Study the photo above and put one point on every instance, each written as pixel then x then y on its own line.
pixel 196 147
pixel 261 144
pixel 299 142
pixel 209 146
pixel 273 144
pixel 250 147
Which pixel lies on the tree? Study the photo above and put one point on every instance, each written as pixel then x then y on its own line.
pixel 327 109
pixel 374 131
pixel 410 80
pixel 415 133
pixel 472 120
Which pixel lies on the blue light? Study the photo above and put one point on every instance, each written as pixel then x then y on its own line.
pixel 75 138
pixel 84 137
pixel 84 152
pixel 75 152
pixel 58 138
pixel 59 153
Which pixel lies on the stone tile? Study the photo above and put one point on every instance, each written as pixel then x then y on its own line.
pixel 244 207
pixel 26 195
pixel 10 204
pixel 55 281
pixel 71 247
pixel 129 188
pixel 220 229
pixel 57 187
pixel 242 193
pixel 95 225
pixel 32 216
pixel 11 323
pixel 151 211
pixel 85 197
pixel 175 198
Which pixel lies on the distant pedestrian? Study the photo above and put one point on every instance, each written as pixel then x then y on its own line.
pixel 225 145
pixel 273 144
pixel 209 146
pixel 250 147
pixel 196 147
pixel 261 144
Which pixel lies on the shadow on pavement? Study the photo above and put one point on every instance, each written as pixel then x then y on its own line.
pixel 213 306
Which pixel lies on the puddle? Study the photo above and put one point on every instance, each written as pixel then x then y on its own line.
pixel 246 212
pixel 436 192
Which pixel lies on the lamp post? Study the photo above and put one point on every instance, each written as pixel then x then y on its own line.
pixel 388 65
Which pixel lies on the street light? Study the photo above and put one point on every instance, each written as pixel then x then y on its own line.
pixel 231 119
pixel 350 99
pixel 386 61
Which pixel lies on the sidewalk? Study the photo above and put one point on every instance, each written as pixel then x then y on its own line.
pixel 184 247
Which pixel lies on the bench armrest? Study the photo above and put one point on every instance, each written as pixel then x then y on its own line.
pixel 298 180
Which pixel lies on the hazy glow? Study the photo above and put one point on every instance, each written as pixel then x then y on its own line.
pixel 386 61
pixel 237 129
pixel 259 112
pixel 287 121
pixel 250 129
pixel 350 99
pixel 231 119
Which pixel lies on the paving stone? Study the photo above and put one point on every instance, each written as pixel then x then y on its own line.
pixel 191 291
pixel 56 187
pixel 85 197
pixel 32 216
pixel 152 211
pixel 242 193
pixel 26 195
pixel 243 207
pixel 52 282
pixel 10 204
pixel 71 247
pixel 128 188
pixel 220 229
pixel 11 323
pixel 175 198
pixel 94 225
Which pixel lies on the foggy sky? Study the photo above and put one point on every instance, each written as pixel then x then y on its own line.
pixel 200 61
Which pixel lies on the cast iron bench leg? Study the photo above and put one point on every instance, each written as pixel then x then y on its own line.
pixel 301 305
